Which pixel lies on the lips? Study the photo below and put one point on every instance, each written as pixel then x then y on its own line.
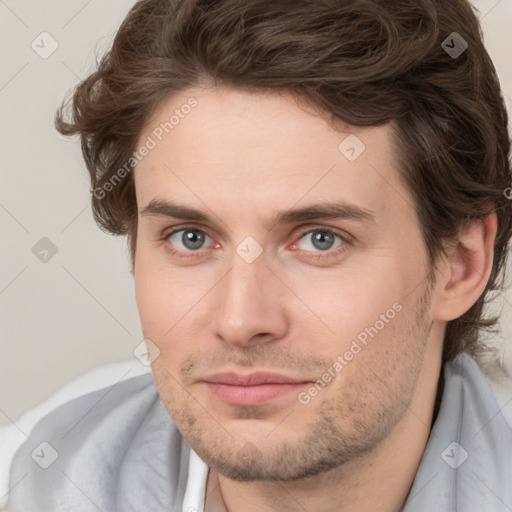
pixel 253 389
pixel 252 379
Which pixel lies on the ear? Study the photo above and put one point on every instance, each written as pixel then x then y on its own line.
pixel 466 271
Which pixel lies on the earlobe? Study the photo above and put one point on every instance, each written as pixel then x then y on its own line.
pixel 466 270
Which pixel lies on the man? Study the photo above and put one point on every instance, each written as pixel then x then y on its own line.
pixel 314 196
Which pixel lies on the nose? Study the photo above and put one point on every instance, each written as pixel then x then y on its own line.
pixel 251 305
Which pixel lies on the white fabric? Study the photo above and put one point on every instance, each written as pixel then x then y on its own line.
pixel 13 435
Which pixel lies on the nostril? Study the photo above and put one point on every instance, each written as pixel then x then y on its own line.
pixel 261 336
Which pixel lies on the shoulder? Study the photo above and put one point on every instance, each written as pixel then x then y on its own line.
pixel 490 381
pixel 465 372
pixel 85 439
pixel 90 415
pixel 96 409
pixel 478 395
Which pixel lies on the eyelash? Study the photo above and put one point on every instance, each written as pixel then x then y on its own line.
pixel 346 242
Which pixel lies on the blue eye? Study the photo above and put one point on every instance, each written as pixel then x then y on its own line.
pixel 321 240
pixel 190 242
pixel 190 239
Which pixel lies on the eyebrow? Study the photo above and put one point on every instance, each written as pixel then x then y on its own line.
pixel 324 210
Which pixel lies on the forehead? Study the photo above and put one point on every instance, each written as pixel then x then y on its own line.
pixel 209 145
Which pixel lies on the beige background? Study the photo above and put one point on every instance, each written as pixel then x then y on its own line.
pixel 77 310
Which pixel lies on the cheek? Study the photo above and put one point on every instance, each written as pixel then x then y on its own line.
pixel 169 302
pixel 154 290
pixel 156 295
pixel 149 291
pixel 348 303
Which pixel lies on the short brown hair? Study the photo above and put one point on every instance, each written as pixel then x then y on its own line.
pixel 366 62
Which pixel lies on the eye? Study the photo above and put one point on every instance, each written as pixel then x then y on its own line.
pixel 188 239
pixel 320 240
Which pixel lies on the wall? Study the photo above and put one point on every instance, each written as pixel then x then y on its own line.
pixel 63 316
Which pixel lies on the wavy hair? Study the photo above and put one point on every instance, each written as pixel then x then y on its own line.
pixel 364 62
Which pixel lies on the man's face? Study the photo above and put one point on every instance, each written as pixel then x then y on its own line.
pixel 336 307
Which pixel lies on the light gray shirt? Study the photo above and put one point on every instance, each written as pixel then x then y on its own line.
pixel 118 450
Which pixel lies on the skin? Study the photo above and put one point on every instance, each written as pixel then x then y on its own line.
pixel 242 157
